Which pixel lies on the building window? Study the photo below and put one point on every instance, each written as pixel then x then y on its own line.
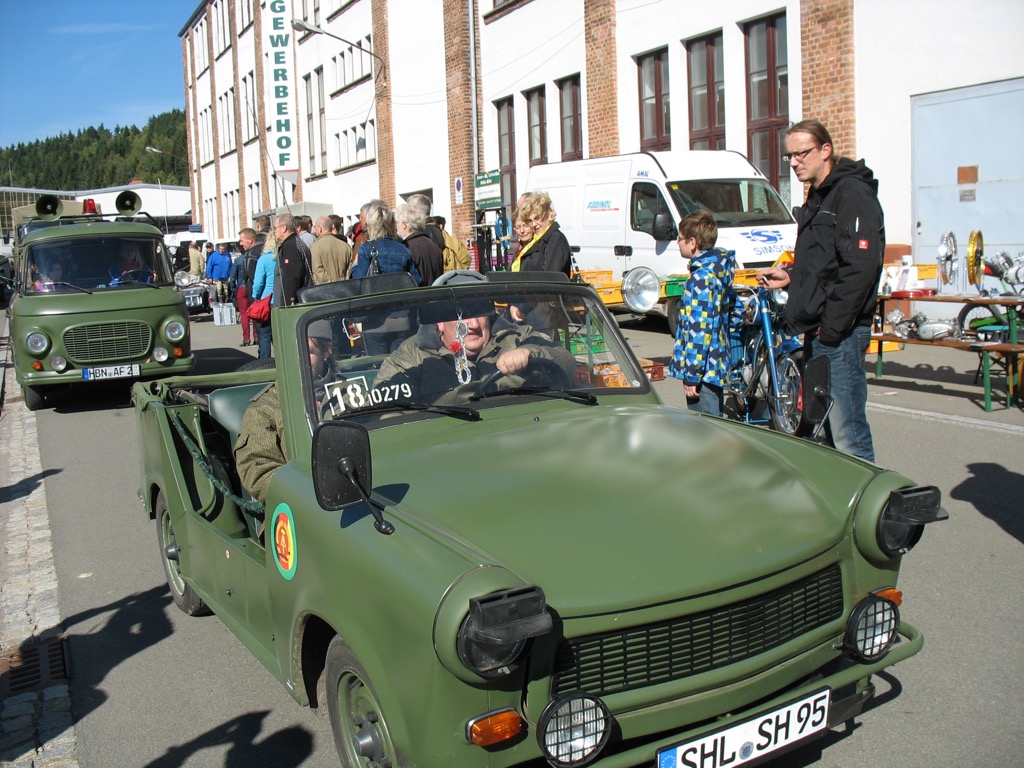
pixel 308 80
pixel 221 27
pixel 538 126
pixel 319 74
pixel 250 126
pixel 199 47
pixel 768 99
pixel 226 121
pixel 571 118
pixel 244 14
pixel 652 71
pixel 506 150
pixel 707 93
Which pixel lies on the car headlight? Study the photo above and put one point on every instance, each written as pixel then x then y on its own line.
pixel 903 519
pixel 495 632
pixel 175 330
pixel 641 289
pixel 573 729
pixel 872 628
pixel 37 343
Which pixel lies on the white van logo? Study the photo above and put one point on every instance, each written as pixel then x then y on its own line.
pixel 600 206
pixel 763 235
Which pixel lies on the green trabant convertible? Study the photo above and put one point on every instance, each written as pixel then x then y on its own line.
pixel 484 541
pixel 93 299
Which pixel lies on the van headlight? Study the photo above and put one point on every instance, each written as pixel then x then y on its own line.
pixel 641 289
pixel 175 331
pixel 37 343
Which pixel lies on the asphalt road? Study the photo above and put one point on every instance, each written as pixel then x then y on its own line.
pixel 152 687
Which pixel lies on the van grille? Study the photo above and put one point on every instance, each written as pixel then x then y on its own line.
pixel 671 650
pixel 107 341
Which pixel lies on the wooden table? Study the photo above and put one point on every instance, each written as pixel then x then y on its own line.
pixel 1011 350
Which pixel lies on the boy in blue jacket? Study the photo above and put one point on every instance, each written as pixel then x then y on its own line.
pixel 701 353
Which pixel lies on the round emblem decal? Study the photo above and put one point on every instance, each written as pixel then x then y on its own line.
pixel 282 528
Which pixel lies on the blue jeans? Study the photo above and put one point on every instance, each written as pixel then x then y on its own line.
pixel 709 400
pixel 263 337
pixel 848 420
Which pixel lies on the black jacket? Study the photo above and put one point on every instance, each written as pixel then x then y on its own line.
pixel 426 256
pixel 249 259
pixel 292 270
pixel 549 254
pixel 840 244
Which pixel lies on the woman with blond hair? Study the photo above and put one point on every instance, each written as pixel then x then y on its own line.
pixel 263 286
pixel 548 251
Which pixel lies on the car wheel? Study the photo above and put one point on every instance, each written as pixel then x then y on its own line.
pixel 360 729
pixel 34 399
pixel 786 405
pixel 672 313
pixel 183 595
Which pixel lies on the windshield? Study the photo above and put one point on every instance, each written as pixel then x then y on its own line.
pixel 456 350
pixel 734 202
pixel 95 263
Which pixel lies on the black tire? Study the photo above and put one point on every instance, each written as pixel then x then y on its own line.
pixel 259 364
pixel 34 399
pixel 786 406
pixel 672 313
pixel 973 318
pixel 183 595
pixel 360 729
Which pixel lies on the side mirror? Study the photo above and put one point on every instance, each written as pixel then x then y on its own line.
pixel 817 396
pixel 342 474
pixel 334 442
pixel 664 228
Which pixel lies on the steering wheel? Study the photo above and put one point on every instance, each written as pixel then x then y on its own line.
pixel 146 275
pixel 556 376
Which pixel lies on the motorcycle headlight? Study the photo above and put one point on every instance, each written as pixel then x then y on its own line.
pixel 781 296
pixel 175 330
pixel 37 343
pixel 641 289
pixel 182 278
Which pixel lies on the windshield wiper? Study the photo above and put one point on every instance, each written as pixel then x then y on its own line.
pixel 458 411
pixel 130 281
pixel 575 395
pixel 70 285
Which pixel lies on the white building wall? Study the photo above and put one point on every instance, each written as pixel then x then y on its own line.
pixel 915 47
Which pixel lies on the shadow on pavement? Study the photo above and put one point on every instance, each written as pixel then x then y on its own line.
pixel 987 489
pixel 284 749
pixel 24 488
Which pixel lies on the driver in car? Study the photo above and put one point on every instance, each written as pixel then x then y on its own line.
pixel 444 363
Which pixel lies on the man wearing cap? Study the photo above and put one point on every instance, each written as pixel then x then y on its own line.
pixel 260 448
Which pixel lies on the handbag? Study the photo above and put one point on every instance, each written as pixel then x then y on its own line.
pixel 260 310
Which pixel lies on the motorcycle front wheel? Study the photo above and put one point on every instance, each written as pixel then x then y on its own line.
pixel 786 405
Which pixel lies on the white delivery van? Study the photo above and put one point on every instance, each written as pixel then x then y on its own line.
pixel 620 215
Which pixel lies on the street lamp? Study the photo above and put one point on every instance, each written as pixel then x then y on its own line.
pixel 300 25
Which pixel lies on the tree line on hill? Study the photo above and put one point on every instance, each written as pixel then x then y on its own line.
pixel 95 158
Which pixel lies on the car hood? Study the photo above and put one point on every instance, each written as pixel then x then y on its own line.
pixel 608 508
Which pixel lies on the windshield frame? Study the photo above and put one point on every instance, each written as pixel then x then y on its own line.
pixel 692 195
pixel 88 263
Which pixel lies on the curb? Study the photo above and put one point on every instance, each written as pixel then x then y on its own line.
pixel 37 725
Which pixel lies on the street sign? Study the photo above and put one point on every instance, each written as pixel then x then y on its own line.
pixel 488 190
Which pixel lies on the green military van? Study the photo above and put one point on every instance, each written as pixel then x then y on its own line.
pixel 93 298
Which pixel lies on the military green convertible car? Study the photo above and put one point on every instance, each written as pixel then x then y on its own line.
pixel 484 541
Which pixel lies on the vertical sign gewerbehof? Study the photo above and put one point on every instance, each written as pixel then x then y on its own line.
pixel 280 91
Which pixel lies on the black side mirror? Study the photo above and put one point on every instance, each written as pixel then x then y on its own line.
pixel 817 395
pixel 664 228
pixel 342 470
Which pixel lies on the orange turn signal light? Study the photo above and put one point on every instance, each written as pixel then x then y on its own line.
pixel 892 595
pixel 495 728
pixel 37 365
pixel 179 352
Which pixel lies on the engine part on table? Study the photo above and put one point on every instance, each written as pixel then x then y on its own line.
pixel 1004 267
pixel 894 317
pixel 907 328
pixel 933 330
pixel 949 262
pixel 975 257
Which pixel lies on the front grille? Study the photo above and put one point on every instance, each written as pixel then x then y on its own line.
pixel 674 649
pixel 107 341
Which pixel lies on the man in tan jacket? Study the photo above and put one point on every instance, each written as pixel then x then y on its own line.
pixel 331 255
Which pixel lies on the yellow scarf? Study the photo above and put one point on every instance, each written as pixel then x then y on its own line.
pixel 516 266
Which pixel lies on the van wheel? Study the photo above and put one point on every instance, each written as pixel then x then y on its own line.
pixel 34 399
pixel 183 595
pixel 672 313
pixel 259 364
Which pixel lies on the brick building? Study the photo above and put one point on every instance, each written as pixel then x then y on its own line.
pixel 382 99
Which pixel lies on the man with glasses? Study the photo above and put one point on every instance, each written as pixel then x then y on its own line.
pixel 833 281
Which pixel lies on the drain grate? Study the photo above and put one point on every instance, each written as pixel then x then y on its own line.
pixel 32 667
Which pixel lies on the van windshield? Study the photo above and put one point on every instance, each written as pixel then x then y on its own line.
pixel 733 202
pixel 94 263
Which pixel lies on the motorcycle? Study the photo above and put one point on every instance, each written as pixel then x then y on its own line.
pixel 195 292
pixel 769 382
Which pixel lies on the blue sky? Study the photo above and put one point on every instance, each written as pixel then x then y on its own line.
pixel 71 64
